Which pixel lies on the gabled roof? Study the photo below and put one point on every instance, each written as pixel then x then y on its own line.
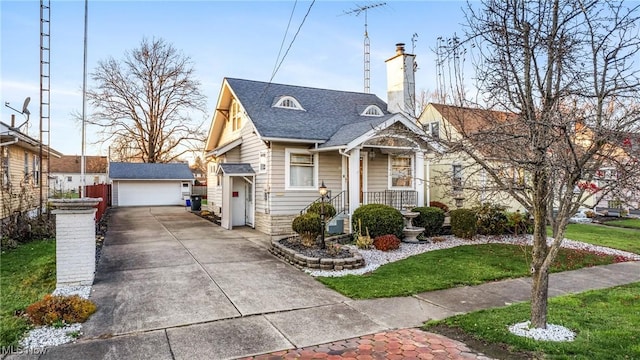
pixel 326 110
pixel 71 164
pixel 236 169
pixel 471 120
pixel 147 171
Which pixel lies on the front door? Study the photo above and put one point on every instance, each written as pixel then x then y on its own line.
pixel 238 202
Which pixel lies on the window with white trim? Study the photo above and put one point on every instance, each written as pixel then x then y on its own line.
pixel 26 164
pixel 36 170
pixel 262 164
pixel 288 102
pixel 401 169
pixel 372 110
pixel 456 177
pixel 235 115
pixel 301 169
pixel 6 179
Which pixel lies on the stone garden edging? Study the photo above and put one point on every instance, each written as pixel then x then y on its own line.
pixel 302 261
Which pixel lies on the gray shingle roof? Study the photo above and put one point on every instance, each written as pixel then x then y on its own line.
pixel 349 132
pixel 326 111
pixel 233 169
pixel 146 171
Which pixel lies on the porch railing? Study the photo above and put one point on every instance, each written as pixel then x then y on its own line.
pixel 339 202
pixel 399 199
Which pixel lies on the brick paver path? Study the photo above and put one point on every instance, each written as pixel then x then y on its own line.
pixel 405 344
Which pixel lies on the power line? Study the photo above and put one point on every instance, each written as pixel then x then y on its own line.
pixel 292 41
pixel 284 38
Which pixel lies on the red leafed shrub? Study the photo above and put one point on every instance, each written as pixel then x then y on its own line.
pixel 52 309
pixel 386 242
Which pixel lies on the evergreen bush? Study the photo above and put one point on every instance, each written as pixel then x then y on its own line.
pixel 430 218
pixel 379 220
pixel 491 219
pixel 308 226
pixel 463 223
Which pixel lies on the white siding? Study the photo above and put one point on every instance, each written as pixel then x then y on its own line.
pixel 378 173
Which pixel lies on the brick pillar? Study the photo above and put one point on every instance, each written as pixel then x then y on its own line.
pixel 75 240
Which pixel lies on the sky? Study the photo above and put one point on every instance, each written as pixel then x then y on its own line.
pixel 240 39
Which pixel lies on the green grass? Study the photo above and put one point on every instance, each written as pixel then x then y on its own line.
pixel 462 265
pixel 625 223
pixel 617 238
pixel 27 273
pixel 606 322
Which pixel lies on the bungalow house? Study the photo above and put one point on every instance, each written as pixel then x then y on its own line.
pixel 456 180
pixel 66 172
pixel 21 171
pixel 271 146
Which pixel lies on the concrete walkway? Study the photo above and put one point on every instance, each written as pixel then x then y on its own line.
pixel 171 285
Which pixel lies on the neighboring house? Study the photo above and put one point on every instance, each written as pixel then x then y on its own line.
pixel 271 146
pixel 456 179
pixel 66 172
pixel 145 184
pixel 21 170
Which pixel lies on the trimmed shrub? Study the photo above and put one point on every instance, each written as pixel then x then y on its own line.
pixel 519 223
pixel 430 218
pixel 329 210
pixel 54 309
pixel 491 219
pixel 308 226
pixel 440 205
pixel 463 223
pixel 386 242
pixel 379 220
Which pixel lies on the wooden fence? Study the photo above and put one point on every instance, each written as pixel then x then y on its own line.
pixel 103 191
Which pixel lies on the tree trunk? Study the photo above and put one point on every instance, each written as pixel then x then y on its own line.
pixel 539 297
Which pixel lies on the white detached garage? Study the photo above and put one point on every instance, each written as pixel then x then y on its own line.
pixel 143 184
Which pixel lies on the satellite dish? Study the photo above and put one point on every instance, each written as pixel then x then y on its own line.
pixel 24 106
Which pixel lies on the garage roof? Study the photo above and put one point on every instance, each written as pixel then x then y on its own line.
pixel 146 171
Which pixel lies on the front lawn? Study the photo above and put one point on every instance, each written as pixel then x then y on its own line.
pixel 616 238
pixel 443 269
pixel 606 322
pixel 27 273
pixel 625 223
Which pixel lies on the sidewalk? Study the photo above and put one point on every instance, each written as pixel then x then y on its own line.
pixel 240 338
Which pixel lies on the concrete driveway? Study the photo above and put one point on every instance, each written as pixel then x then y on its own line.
pixel 174 284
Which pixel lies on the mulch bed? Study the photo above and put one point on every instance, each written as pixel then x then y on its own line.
pixel 315 251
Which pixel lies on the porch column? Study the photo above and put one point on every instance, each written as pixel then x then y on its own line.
pixel 225 219
pixel 354 180
pixel 420 178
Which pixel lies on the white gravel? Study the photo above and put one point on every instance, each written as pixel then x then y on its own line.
pixel 551 333
pixel 373 259
pixel 45 336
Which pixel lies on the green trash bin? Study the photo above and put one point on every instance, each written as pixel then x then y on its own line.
pixel 196 202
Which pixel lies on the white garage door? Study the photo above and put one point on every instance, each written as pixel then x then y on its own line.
pixel 149 193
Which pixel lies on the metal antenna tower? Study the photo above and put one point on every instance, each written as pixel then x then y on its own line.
pixel 367 52
pixel 45 97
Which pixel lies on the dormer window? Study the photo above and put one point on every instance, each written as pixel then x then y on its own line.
pixel 288 102
pixel 372 110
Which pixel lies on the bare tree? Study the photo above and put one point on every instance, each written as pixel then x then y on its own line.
pixel 145 103
pixel 562 74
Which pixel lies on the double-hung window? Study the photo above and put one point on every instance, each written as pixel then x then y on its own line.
pixel 6 179
pixel 401 168
pixel 301 169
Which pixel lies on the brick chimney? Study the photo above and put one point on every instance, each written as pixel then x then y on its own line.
pixel 401 84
